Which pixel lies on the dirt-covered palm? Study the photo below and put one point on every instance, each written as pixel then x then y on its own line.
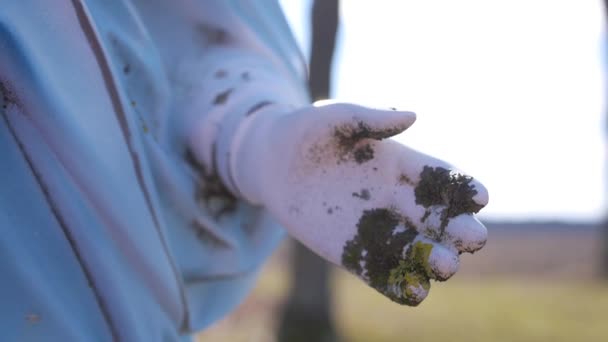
pixel 393 216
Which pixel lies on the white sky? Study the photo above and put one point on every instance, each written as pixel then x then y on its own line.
pixel 509 91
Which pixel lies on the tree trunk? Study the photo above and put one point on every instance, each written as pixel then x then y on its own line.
pixel 324 29
pixel 604 263
pixel 307 313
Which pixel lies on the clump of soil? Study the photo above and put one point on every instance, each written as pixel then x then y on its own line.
pixel 439 186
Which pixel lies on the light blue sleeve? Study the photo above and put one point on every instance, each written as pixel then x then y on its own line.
pixel 98 236
pixel 82 186
pixel 45 293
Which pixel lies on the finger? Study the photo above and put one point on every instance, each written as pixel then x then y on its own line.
pixel 436 182
pixel 412 291
pixel 408 283
pixel 358 122
pixel 465 233
pixel 443 263
pixel 432 259
pixel 438 222
pixel 428 222
pixel 482 197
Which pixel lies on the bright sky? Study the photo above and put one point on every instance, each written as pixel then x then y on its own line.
pixel 509 91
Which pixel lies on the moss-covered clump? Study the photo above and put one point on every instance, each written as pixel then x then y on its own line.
pixel 376 254
pixel 413 273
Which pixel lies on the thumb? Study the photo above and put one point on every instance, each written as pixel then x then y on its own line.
pixel 359 122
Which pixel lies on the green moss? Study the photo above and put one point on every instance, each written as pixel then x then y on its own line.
pixel 417 261
pixel 397 275
pixel 414 281
pixel 417 280
pixel 380 246
pixel 420 256
pixel 413 272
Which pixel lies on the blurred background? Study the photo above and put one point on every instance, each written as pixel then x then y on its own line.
pixel 512 92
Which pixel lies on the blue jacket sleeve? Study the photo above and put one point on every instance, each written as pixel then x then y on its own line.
pixel 103 232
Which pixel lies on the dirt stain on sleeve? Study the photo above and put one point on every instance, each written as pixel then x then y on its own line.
pixel 8 95
pixel 211 192
pixel 221 73
pixel 222 97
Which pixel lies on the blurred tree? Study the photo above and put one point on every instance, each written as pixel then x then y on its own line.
pixel 324 30
pixel 307 314
pixel 604 270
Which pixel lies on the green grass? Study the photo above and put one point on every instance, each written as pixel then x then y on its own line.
pixel 536 286
pixel 478 310
pixel 463 309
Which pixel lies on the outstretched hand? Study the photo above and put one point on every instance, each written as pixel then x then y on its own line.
pixel 391 215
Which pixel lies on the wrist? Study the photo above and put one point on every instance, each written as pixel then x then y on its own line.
pixel 237 90
pixel 254 156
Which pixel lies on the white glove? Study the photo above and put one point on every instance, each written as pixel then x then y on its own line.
pixel 393 216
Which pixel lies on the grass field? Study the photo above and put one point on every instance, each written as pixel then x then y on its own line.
pixel 466 310
pixel 524 288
